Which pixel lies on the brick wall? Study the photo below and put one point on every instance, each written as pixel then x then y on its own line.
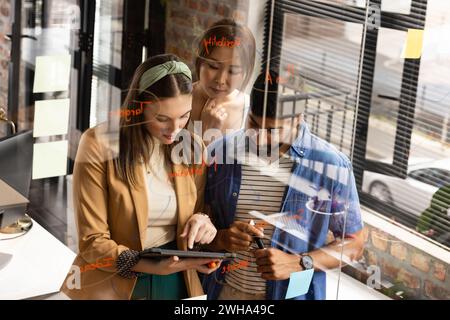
pixel 188 19
pixel 408 272
pixel 5 28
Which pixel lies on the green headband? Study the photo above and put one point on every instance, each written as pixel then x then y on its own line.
pixel 156 73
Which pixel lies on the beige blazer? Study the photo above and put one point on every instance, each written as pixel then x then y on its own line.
pixel 111 217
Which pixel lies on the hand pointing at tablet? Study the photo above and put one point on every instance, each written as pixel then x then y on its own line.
pixel 198 229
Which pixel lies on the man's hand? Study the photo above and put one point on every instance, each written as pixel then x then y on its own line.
pixel 275 264
pixel 238 237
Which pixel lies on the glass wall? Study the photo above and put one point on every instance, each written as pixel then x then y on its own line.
pixel 361 88
pixel 379 63
pixel 107 63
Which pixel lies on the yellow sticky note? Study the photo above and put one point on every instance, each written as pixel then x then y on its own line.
pixel 414 44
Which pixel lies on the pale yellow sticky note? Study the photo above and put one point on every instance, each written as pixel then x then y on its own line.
pixel 50 159
pixel 52 73
pixel 414 44
pixel 51 117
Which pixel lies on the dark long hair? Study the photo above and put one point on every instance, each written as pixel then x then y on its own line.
pixel 231 31
pixel 135 143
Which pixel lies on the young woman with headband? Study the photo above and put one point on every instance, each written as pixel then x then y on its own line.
pixel 127 203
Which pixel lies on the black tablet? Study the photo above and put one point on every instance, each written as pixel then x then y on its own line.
pixel 160 253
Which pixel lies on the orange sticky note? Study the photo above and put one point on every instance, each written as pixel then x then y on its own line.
pixel 414 44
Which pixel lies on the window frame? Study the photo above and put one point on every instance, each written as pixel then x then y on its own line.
pixel 411 67
pixel 273 33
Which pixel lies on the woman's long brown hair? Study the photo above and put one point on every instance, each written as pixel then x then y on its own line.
pixel 135 143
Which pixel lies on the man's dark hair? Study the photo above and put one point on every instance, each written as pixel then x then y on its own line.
pixel 258 92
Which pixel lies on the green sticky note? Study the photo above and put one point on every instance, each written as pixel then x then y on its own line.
pixel 299 283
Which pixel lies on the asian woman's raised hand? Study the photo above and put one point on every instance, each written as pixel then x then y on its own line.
pixel 213 115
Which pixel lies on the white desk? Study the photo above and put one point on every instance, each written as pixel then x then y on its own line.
pixel 350 288
pixel 39 265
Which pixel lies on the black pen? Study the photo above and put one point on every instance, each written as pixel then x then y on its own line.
pixel 258 240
